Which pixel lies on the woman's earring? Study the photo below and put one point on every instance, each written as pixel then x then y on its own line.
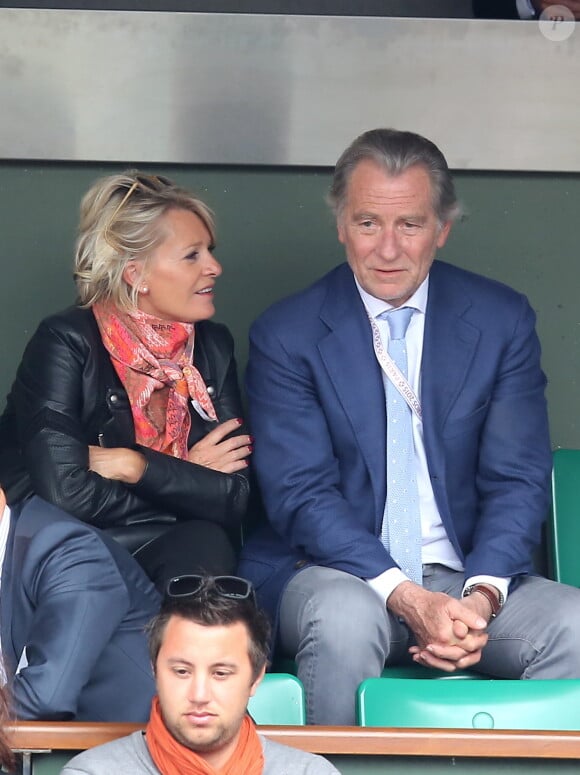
pixel 144 289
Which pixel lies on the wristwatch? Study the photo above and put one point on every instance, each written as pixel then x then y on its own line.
pixel 495 602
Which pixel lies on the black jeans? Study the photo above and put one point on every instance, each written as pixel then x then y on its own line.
pixel 186 547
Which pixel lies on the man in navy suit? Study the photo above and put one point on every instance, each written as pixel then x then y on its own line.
pixel 74 605
pixel 479 454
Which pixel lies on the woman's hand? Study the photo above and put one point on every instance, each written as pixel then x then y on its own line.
pixel 222 454
pixel 120 463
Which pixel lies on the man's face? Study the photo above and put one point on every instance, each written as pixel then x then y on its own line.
pixel 390 230
pixel 204 681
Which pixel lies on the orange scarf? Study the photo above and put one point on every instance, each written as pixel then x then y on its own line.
pixel 153 359
pixel 173 758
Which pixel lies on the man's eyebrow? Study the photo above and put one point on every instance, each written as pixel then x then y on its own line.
pixel 364 214
pixel 179 661
pixel 221 663
pixel 225 663
pixel 411 217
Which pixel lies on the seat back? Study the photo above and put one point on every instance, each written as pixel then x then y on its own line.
pixel 420 671
pixel 279 699
pixel 411 670
pixel 564 532
pixel 505 704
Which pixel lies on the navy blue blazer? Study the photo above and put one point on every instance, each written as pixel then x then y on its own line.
pixel 317 411
pixel 78 602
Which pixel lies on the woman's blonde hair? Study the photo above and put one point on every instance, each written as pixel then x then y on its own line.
pixel 119 222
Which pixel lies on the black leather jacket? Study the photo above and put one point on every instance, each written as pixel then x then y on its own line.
pixel 67 395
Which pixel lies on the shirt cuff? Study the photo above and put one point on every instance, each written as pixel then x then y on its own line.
pixel 385 583
pixel 525 9
pixel 501 584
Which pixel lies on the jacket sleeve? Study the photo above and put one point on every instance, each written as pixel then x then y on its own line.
pixel 80 599
pixel 514 459
pixel 48 396
pixel 301 461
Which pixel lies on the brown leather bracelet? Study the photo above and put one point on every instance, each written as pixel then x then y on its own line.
pixel 493 601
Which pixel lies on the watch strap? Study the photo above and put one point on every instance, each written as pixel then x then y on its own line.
pixel 494 602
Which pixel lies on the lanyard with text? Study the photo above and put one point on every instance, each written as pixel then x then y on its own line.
pixel 393 373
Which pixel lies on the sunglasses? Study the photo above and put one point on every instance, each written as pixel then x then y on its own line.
pixel 230 587
pixel 147 183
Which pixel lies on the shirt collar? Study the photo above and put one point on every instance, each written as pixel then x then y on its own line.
pixel 376 307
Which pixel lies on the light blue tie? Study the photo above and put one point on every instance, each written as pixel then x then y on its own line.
pixel 401 528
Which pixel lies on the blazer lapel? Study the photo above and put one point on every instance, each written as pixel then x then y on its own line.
pixel 449 348
pixel 349 359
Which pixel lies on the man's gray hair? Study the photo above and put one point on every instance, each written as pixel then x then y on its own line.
pixel 397 152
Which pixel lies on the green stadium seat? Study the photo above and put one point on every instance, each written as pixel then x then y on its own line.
pixel 491 704
pixel 279 700
pixel 286 665
pixel 420 671
pixel 564 532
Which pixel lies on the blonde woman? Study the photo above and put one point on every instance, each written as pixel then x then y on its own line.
pixel 125 411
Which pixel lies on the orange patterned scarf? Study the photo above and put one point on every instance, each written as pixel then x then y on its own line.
pixel 153 359
pixel 173 758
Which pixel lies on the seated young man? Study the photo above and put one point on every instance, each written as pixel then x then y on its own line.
pixel 74 605
pixel 209 648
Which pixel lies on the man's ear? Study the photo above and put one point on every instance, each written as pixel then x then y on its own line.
pixel 258 681
pixel 443 234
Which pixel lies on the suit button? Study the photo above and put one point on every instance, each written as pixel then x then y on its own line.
pixel 300 564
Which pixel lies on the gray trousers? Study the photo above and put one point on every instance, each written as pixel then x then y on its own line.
pixel 339 631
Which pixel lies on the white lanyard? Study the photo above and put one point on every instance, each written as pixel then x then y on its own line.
pixel 393 373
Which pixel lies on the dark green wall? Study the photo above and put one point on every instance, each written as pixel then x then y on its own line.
pixel 276 236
